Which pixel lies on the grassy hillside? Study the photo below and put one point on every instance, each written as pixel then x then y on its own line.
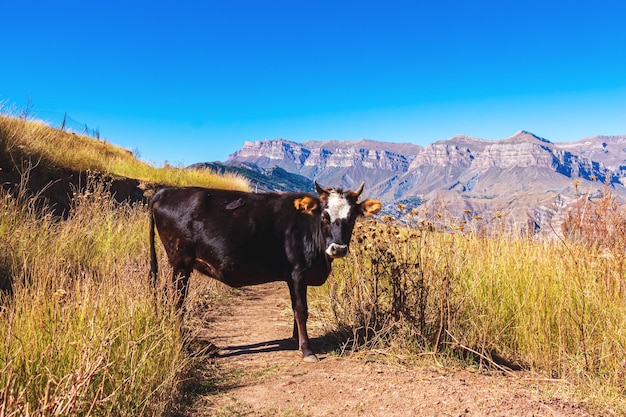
pixel 54 149
pixel 80 333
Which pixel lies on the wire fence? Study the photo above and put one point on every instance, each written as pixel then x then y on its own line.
pixel 59 120
pixel 67 123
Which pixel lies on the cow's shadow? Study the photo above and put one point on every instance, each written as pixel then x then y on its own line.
pixel 256 348
pixel 321 345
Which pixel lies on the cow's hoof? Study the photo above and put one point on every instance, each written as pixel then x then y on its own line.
pixel 310 358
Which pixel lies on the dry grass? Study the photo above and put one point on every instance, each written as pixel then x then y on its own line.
pixel 34 140
pixel 555 308
pixel 80 335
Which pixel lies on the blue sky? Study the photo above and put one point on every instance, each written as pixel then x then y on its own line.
pixel 190 81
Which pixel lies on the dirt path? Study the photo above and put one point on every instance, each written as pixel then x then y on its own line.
pixel 262 375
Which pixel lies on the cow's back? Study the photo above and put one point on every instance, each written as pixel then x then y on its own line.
pixel 236 237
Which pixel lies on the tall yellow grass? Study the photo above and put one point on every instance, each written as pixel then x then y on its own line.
pixel 80 335
pixel 555 308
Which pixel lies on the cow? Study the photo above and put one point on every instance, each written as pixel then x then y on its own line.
pixel 242 239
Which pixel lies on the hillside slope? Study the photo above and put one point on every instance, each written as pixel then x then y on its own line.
pixel 54 164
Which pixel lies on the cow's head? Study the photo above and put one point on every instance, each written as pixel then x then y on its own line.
pixel 339 211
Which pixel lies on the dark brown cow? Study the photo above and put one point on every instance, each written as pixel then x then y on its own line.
pixel 243 239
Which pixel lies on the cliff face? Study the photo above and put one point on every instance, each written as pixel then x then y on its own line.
pixel 323 155
pixel 525 150
pixel 528 175
pixel 458 156
pixel 446 153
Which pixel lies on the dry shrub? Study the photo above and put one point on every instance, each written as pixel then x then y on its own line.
pixel 599 223
pixel 386 293
pixel 416 288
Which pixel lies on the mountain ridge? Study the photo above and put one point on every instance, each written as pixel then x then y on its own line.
pixel 529 176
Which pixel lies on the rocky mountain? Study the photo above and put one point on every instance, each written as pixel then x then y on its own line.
pixel 524 176
pixel 262 179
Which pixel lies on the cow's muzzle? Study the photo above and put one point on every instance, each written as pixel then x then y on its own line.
pixel 335 250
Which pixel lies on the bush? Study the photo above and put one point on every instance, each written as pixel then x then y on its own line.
pixel 556 308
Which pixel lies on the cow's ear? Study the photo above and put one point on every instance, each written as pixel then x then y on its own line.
pixel 305 204
pixel 370 207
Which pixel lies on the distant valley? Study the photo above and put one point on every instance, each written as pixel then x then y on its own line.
pixel 526 178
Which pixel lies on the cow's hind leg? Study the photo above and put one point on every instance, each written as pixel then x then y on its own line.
pixel 180 279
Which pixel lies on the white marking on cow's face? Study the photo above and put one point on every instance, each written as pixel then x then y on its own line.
pixel 338 206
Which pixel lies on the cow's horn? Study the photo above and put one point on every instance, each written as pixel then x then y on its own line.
pixel 360 190
pixel 319 189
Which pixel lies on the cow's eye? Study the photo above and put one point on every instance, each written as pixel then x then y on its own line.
pixel 325 217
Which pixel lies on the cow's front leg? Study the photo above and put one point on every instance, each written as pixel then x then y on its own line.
pixel 297 290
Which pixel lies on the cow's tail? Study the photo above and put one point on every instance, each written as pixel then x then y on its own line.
pixel 154 267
